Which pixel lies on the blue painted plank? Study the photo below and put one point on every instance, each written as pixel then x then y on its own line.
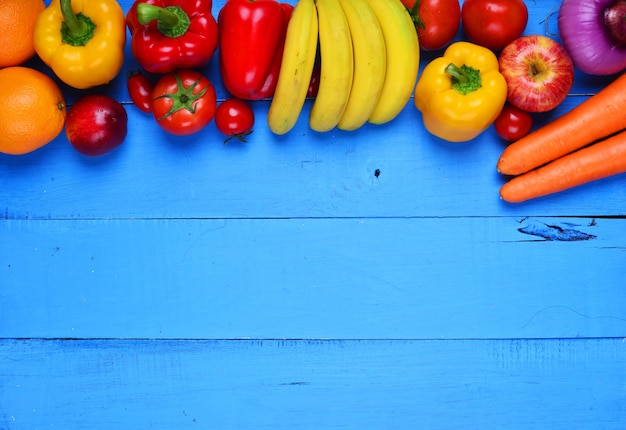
pixel 560 384
pixel 303 174
pixel 313 278
pixel 487 315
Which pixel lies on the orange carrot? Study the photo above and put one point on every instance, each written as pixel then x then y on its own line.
pixel 600 160
pixel 597 117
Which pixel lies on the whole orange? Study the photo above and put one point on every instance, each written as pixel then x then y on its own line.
pixel 33 110
pixel 17 21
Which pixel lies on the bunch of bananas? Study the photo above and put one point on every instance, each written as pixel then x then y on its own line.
pixel 369 59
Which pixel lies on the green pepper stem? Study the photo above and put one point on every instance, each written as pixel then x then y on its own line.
pixel 76 29
pixel 74 25
pixel 465 79
pixel 172 21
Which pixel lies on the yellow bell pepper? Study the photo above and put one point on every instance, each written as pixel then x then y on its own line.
pixel 82 41
pixel 461 93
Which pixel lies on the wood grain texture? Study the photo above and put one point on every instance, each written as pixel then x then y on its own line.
pixel 312 384
pixel 312 278
pixel 303 174
pixel 366 280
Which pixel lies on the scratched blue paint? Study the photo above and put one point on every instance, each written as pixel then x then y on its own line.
pixel 559 232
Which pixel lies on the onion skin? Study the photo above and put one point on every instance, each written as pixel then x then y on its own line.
pixel 587 39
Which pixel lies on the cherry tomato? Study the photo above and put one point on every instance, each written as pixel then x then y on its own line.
pixel 140 90
pixel 437 21
pixel 183 102
pixel 494 23
pixel 234 118
pixel 512 124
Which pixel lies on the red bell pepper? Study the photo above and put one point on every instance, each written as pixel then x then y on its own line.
pixel 172 34
pixel 251 40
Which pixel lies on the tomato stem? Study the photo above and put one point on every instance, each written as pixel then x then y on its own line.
pixel 240 137
pixel 414 13
pixel 183 98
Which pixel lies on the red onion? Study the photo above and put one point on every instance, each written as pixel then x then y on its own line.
pixel 594 34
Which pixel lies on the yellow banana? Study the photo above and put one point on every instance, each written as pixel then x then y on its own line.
pixel 369 63
pixel 336 71
pixel 296 68
pixel 403 56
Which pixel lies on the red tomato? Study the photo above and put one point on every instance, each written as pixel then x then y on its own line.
pixel 494 23
pixel 234 118
pixel 437 21
pixel 512 124
pixel 183 102
pixel 140 90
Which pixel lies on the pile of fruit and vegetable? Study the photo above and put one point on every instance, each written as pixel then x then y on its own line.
pixel 356 61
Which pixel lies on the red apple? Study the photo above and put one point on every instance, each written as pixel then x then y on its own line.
pixel 96 124
pixel 538 71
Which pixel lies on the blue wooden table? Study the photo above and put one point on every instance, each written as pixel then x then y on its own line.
pixel 345 280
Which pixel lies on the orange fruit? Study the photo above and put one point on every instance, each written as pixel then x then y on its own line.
pixel 33 110
pixel 17 21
